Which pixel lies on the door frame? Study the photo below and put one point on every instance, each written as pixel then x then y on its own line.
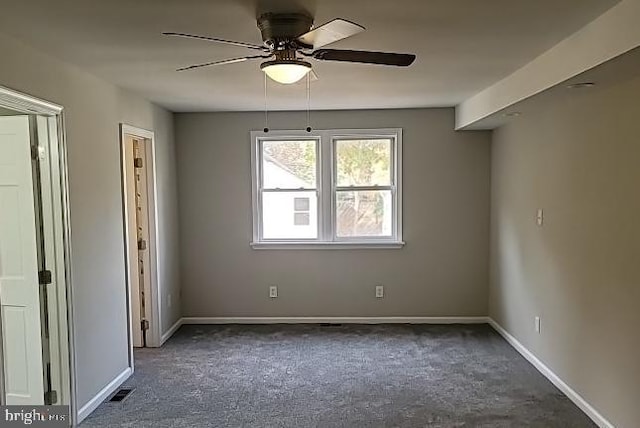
pixel 59 252
pixel 154 336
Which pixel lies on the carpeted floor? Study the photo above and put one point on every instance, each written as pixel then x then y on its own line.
pixel 337 376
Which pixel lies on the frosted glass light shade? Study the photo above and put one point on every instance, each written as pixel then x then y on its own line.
pixel 286 72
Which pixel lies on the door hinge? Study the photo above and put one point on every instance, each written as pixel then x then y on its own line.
pixel 137 162
pixel 142 244
pixel 44 277
pixel 50 397
pixel 144 324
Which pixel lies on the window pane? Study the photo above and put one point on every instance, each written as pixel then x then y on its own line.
pixel 281 218
pixel 363 162
pixel 364 213
pixel 289 164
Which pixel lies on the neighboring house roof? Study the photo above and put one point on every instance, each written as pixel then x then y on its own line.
pixel 280 176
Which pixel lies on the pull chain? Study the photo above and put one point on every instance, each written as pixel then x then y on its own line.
pixel 309 101
pixel 266 111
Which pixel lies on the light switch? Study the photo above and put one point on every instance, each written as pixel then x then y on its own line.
pixel 540 217
pixel 273 291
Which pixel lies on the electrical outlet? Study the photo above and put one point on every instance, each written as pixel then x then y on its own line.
pixel 273 291
pixel 379 291
pixel 537 324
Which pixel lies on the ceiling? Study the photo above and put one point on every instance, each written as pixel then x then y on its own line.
pixel 462 47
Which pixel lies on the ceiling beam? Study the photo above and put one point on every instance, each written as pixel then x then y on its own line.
pixel 612 34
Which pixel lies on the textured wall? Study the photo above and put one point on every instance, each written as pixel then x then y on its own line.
pixel 578 159
pixel 442 271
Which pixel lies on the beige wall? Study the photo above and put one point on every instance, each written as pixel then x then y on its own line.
pixel 135 111
pixel 442 271
pixel 93 111
pixel 579 160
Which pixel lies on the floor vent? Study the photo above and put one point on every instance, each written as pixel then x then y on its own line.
pixel 330 324
pixel 121 394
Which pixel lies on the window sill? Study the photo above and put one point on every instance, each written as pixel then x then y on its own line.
pixel 340 245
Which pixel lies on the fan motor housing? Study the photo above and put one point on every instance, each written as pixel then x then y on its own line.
pixel 280 30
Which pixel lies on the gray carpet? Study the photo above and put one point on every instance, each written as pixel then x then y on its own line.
pixel 337 376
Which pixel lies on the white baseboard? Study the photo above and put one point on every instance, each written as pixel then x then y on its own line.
pixel 166 335
pixel 554 378
pixel 103 394
pixel 335 320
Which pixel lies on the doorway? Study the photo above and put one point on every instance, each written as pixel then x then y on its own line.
pixel 140 213
pixel 35 290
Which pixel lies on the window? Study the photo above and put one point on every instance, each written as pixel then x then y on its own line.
pixel 364 191
pixel 289 189
pixel 327 188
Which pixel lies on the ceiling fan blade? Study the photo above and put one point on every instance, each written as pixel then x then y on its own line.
pixel 330 32
pixel 224 61
pixel 213 39
pixel 366 57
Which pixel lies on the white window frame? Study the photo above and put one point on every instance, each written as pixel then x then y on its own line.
pixel 327 189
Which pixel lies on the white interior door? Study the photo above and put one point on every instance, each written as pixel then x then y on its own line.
pixel 19 288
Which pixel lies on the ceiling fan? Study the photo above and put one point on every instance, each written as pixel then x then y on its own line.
pixel 289 39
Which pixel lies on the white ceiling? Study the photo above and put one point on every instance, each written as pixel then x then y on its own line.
pixel 462 46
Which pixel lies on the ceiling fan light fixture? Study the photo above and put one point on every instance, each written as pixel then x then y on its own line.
pixel 286 71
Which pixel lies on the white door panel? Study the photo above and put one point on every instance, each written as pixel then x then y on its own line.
pixel 17 377
pixel 19 289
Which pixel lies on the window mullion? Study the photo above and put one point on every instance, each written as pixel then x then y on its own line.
pixel 326 159
pixel 319 187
